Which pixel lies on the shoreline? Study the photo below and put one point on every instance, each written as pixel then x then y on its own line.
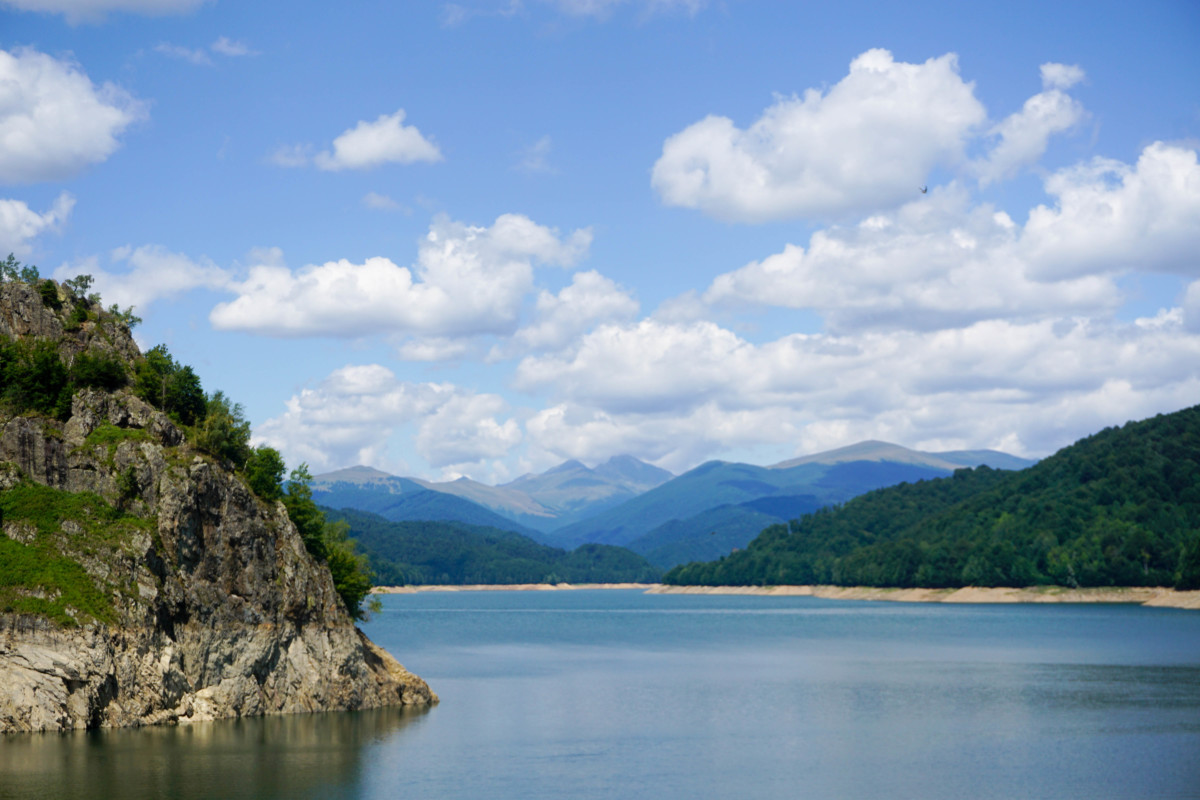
pixel 1158 597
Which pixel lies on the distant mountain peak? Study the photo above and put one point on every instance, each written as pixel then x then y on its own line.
pixel 870 450
pixel 356 474
pixel 875 450
pixel 571 465
pixel 634 470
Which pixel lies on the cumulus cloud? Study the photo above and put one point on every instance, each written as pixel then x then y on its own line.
pixel 385 141
pixel 1111 217
pixel 866 144
pixel 53 120
pixel 468 280
pixel 93 10
pixel 1061 76
pixel 20 225
pixel 347 418
pixel 945 262
pixel 149 273
pixel 993 383
pixel 560 318
pixel 464 431
pixel 936 263
pixel 1023 136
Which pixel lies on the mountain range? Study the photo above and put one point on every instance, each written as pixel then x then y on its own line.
pixel 707 512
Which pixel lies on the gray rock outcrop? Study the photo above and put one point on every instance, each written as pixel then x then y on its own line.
pixel 211 606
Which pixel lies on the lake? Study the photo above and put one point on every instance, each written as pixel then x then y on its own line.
pixel 615 693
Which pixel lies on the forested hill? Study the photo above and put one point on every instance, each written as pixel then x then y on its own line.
pixel 1119 508
pixel 447 552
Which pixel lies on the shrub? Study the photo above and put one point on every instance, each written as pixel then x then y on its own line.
pixel 99 371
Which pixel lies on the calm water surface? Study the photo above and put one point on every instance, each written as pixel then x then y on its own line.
pixel 613 694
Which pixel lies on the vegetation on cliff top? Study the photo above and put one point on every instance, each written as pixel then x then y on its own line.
pixel 1119 508
pixel 35 379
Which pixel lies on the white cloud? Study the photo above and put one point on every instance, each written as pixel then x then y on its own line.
pixel 93 10
pixel 151 273
pixel 866 144
pixel 646 367
pixel 1061 76
pixel 679 393
pixel 935 263
pixel 53 120
pixel 602 8
pixel 371 144
pixel 942 262
pixel 464 431
pixel 1110 217
pixel 348 418
pixel 467 281
pixel 291 155
pixel 19 224
pixel 193 56
pixel 560 318
pixel 223 46
pixel 229 47
pixel 381 202
pixel 1023 136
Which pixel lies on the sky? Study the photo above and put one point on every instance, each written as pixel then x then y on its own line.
pixel 481 238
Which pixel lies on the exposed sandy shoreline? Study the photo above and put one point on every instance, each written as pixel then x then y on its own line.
pixel 512 587
pixel 1146 596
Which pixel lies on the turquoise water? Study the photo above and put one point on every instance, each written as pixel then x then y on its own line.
pixel 613 694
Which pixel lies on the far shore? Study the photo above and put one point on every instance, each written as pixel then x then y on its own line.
pixel 1138 595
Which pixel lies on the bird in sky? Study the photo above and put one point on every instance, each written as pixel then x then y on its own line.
pixel 924 189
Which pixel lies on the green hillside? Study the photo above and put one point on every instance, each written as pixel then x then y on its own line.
pixel 447 552
pixel 1119 508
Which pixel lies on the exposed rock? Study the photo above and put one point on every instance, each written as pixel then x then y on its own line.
pixel 218 609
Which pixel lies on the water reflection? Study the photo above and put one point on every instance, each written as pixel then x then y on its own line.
pixel 289 756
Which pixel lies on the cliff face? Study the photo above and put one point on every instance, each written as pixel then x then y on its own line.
pixel 185 596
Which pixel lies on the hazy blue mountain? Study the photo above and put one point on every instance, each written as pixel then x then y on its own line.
pixel 872 450
pixel 720 505
pixel 574 491
pixel 533 503
pixel 703 513
pixel 402 499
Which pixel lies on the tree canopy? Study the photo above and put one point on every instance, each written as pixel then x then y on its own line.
pixel 1119 508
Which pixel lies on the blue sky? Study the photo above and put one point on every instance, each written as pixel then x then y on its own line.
pixel 480 238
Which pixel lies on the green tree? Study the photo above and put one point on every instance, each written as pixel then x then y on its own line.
pixel 10 269
pixel 174 389
pixel 33 378
pixel 264 473
pixel 185 397
pixel 303 511
pixel 351 573
pixel 98 370
pixel 224 431
pixel 1187 576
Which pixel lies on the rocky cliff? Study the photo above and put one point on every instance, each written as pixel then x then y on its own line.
pixel 141 581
